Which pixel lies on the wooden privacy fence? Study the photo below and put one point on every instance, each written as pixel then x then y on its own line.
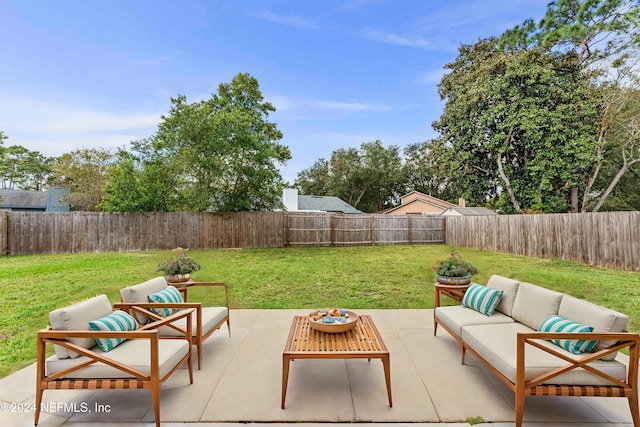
pixel 23 233
pixel 77 232
pixel 606 239
pixel 317 229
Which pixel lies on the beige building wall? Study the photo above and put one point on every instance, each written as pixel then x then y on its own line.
pixel 417 207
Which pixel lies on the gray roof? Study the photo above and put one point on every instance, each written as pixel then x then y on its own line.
pixel 325 203
pixel 22 199
pixel 471 211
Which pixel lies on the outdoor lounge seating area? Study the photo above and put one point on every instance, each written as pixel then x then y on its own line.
pixel 540 342
pixel 116 353
pixel 240 381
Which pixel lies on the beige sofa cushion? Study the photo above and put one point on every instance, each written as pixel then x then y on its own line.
pixel 76 317
pixel 456 317
pixel 533 304
pixel 138 293
pixel 509 288
pixel 134 353
pixel 602 319
pixel 497 345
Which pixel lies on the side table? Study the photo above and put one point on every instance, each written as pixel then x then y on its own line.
pixel 455 292
pixel 182 287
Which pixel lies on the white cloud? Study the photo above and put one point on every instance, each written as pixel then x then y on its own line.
pixel 322 109
pixel 395 39
pixel 356 4
pixel 157 60
pixel 289 20
pixel 54 128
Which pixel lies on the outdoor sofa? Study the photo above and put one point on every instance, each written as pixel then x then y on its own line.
pixel 520 332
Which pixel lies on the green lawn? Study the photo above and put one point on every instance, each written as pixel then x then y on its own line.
pixel 353 277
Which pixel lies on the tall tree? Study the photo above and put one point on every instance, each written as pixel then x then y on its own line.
pixel 23 169
pixel 84 172
pixel 604 36
pixel 223 151
pixel 522 120
pixel 139 184
pixel 618 143
pixel 595 30
pixel 315 179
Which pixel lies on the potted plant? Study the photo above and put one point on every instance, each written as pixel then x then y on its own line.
pixel 454 270
pixel 178 269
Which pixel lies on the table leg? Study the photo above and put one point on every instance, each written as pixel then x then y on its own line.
pixel 285 377
pixel 387 376
pixel 436 298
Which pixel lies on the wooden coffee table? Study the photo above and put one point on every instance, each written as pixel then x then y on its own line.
pixel 361 342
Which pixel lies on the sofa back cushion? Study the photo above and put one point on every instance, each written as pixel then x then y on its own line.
pixel 533 304
pixel 509 288
pixel 76 317
pixel 140 292
pixel 602 319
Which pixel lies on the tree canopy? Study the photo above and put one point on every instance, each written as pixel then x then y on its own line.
pixel 368 178
pixel 520 121
pixel 219 154
pixel 84 173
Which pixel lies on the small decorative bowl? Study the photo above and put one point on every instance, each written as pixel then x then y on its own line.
pixel 334 327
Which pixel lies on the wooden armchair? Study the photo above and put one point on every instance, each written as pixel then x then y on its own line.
pixel 140 359
pixel 206 320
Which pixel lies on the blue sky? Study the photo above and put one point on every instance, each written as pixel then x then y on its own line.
pixel 100 73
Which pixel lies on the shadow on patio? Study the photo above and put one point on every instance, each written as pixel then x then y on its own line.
pixel 240 381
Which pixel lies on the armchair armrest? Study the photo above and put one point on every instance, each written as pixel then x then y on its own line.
pixel 143 308
pixel 184 288
pixel 623 340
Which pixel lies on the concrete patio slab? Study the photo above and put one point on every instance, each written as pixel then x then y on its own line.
pixel 240 381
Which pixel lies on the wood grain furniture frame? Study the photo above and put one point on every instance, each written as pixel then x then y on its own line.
pixel 362 342
pixel 128 377
pixel 534 362
pixel 455 292
pixel 137 296
pixel 537 387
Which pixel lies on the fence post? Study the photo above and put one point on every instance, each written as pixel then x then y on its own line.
pixel 285 226
pixel 4 233
pixel 333 229
pixel 373 230
pixel 444 230
pixel 409 228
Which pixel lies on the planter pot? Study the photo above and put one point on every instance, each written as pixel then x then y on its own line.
pixel 453 280
pixel 177 278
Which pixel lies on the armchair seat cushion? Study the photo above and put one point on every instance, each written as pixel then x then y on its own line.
pixel 211 317
pixel 134 353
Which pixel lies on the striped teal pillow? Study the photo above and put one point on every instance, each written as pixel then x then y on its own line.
pixel 116 321
pixel 482 299
pixel 555 323
pixel 168 295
